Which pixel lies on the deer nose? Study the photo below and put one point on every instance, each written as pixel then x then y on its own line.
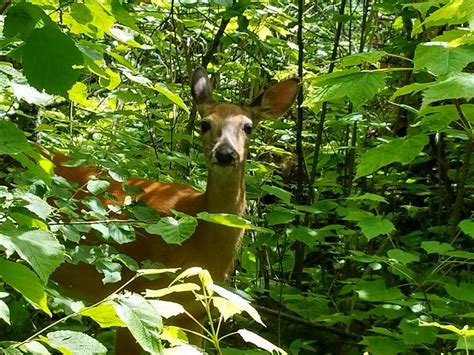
pixel 225 155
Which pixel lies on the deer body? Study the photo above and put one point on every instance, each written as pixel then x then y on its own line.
pixel 225 130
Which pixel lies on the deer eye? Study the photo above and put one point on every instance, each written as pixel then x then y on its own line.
pixel 248 128
pixel 205 126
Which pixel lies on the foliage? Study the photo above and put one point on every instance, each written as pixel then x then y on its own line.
pixel 359 228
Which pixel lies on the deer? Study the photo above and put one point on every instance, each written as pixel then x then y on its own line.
pixel 225 130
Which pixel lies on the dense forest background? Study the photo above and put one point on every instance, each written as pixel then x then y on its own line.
pixel 360 198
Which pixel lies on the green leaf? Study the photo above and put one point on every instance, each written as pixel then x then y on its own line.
pixel 41 250
pixel 402 256
pixel 12 139
pixel 36 205
pixel 174 98
pixel 467 227
pixel 465 291
pixel 90 19
pixel 229 220
pixel 95 205
pixel 251 337
pixel 97 187
pixel 142 319
pixel 4 312
pixel 369 197
pixel 22 18
pixel 373 226
pixel 432 246
pixel 279 217
pixel 376 291
pixel 437 118
pixel 69 342
pixel 359 58
pixel 229 304
pixel 402 150
pixel 104 314
pixel 26 282
pixel 49 60
pixel 359 87
pixel 441 59
pixel 283 195
pixel 304 234
pixel 453 13
pixel 382 345
pixel 174 231
pixel 457 86
pixel 413 334
pixel 121 233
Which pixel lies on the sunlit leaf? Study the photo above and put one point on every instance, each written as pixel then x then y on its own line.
pixel 251 337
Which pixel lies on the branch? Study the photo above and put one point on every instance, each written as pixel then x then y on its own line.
pixel 302 321
pixel 4 6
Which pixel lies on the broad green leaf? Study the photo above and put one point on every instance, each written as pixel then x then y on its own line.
pixel 235 304
pixel 360 58
pixel 358 87
pixel 142 319
pixel 465 291
pixel 441 59
pixel 69 342
pixel 167 309
pixel 283 195
pixel 373 226
pixel 413 334
pixel 457 86
pixel 437 118
pixel 175 336
pixel 78 94
pixel 184 287
pixel 36 205
pixel 41 250
pixel 410 89
pixel 89 18
pixel 402 256
pixel 432 246
pixel 424 6
pixel 12 139
pixel 4 312
pixel 25 281
pixel 251 337
pixel 467 227
pixel 172 230
pixel 95 205
pixel 49 60
pixel 376 291
pixel 174 98
pixel 279 217
pixel 104 314
pixel 369 197
pixel 22 18
pixel 121 233
pixel 382 345
pixel 229 220
pixel 304 234
pixel 453 13
pixel 97 187
pixel 402 150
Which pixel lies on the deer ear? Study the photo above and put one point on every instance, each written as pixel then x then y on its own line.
pixel 201 87
pixel 276 100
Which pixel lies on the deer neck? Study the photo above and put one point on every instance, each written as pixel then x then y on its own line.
pixel 225 193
